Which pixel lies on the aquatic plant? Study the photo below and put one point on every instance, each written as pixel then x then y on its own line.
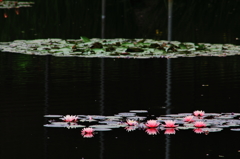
pixel 87 130
pixel 170 124
pixel 131 122
pixel 87 135
pixel 188 118
pixel 70 118
pixel 198 131
pixel 212 122
pixel 14 4
pixel 130 128
pixel 199 124
pixel 117 48
pixel 152 123
pixel 198 113
pixel 170 131
pixel 152 131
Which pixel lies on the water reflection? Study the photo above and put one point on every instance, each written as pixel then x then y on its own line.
pixel 101 134
pixel 103 19
pixel 170 4
pixel 46 84
pixel 168 104
pixel 152 131
pixel 168 87
pixel 54 93
pixel 102 87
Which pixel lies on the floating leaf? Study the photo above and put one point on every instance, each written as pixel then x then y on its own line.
pixel 138 111
pixel 85 39
pixel 102 129
pixel 53 116
pixel 235 129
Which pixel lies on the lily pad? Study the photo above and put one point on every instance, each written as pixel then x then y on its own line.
pixel 53 116
pixel 54 126
pixel 138 111
pixel 102 129
pixel 85 39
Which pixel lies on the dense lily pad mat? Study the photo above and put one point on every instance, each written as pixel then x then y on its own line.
pixel 14 4
pixel 118 48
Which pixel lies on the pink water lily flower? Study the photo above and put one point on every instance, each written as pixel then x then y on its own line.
pixel 131 122
pixel 89 117
pixel 198 131
pixel 170 124
pixel 152 123
pixel 188 119
pixel 152 131
pixel 170 131
pixel 199 124
pixel 70 118
pixel 87 135
pixel 87 130
pixel 198 113
pixel 130 128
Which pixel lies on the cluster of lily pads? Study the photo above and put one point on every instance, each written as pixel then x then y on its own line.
pixel 118 48
pixel 14 4
pixel 199 121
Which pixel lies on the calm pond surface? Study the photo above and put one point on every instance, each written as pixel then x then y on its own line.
pixel 33 86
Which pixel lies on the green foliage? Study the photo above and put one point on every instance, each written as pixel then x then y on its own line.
pixel 144 48
pixel 85 39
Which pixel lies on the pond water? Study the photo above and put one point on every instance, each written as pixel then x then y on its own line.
pixel 34 86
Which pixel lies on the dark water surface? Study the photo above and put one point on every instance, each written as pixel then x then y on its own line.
pixel 33 86
pixel 205 21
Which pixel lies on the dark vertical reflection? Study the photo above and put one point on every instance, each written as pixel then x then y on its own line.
pixel 168 87
pixel 101 106
pixel 102 87
pixel 46 84
pixel 103 19
pixel 167 150
pixel 168 104
pixel 170 4
pixel 46 101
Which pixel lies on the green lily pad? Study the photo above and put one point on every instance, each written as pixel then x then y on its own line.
pixel 85 39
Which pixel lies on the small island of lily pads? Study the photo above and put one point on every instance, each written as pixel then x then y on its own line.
pixel 14 4
pixel 198 121
pixel 118 48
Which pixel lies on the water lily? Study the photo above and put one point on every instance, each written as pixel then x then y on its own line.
pixel 87 135
pixel 170 124
pixel 70 118
pixel 198 113
pixel 188 119
pixel 87 130
pixel 151 131
pixel 199 124
pixel 89 117
pixel 152 123
pixel 130 128
pixel 198 131
pixel 170 131
pixel 131 122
